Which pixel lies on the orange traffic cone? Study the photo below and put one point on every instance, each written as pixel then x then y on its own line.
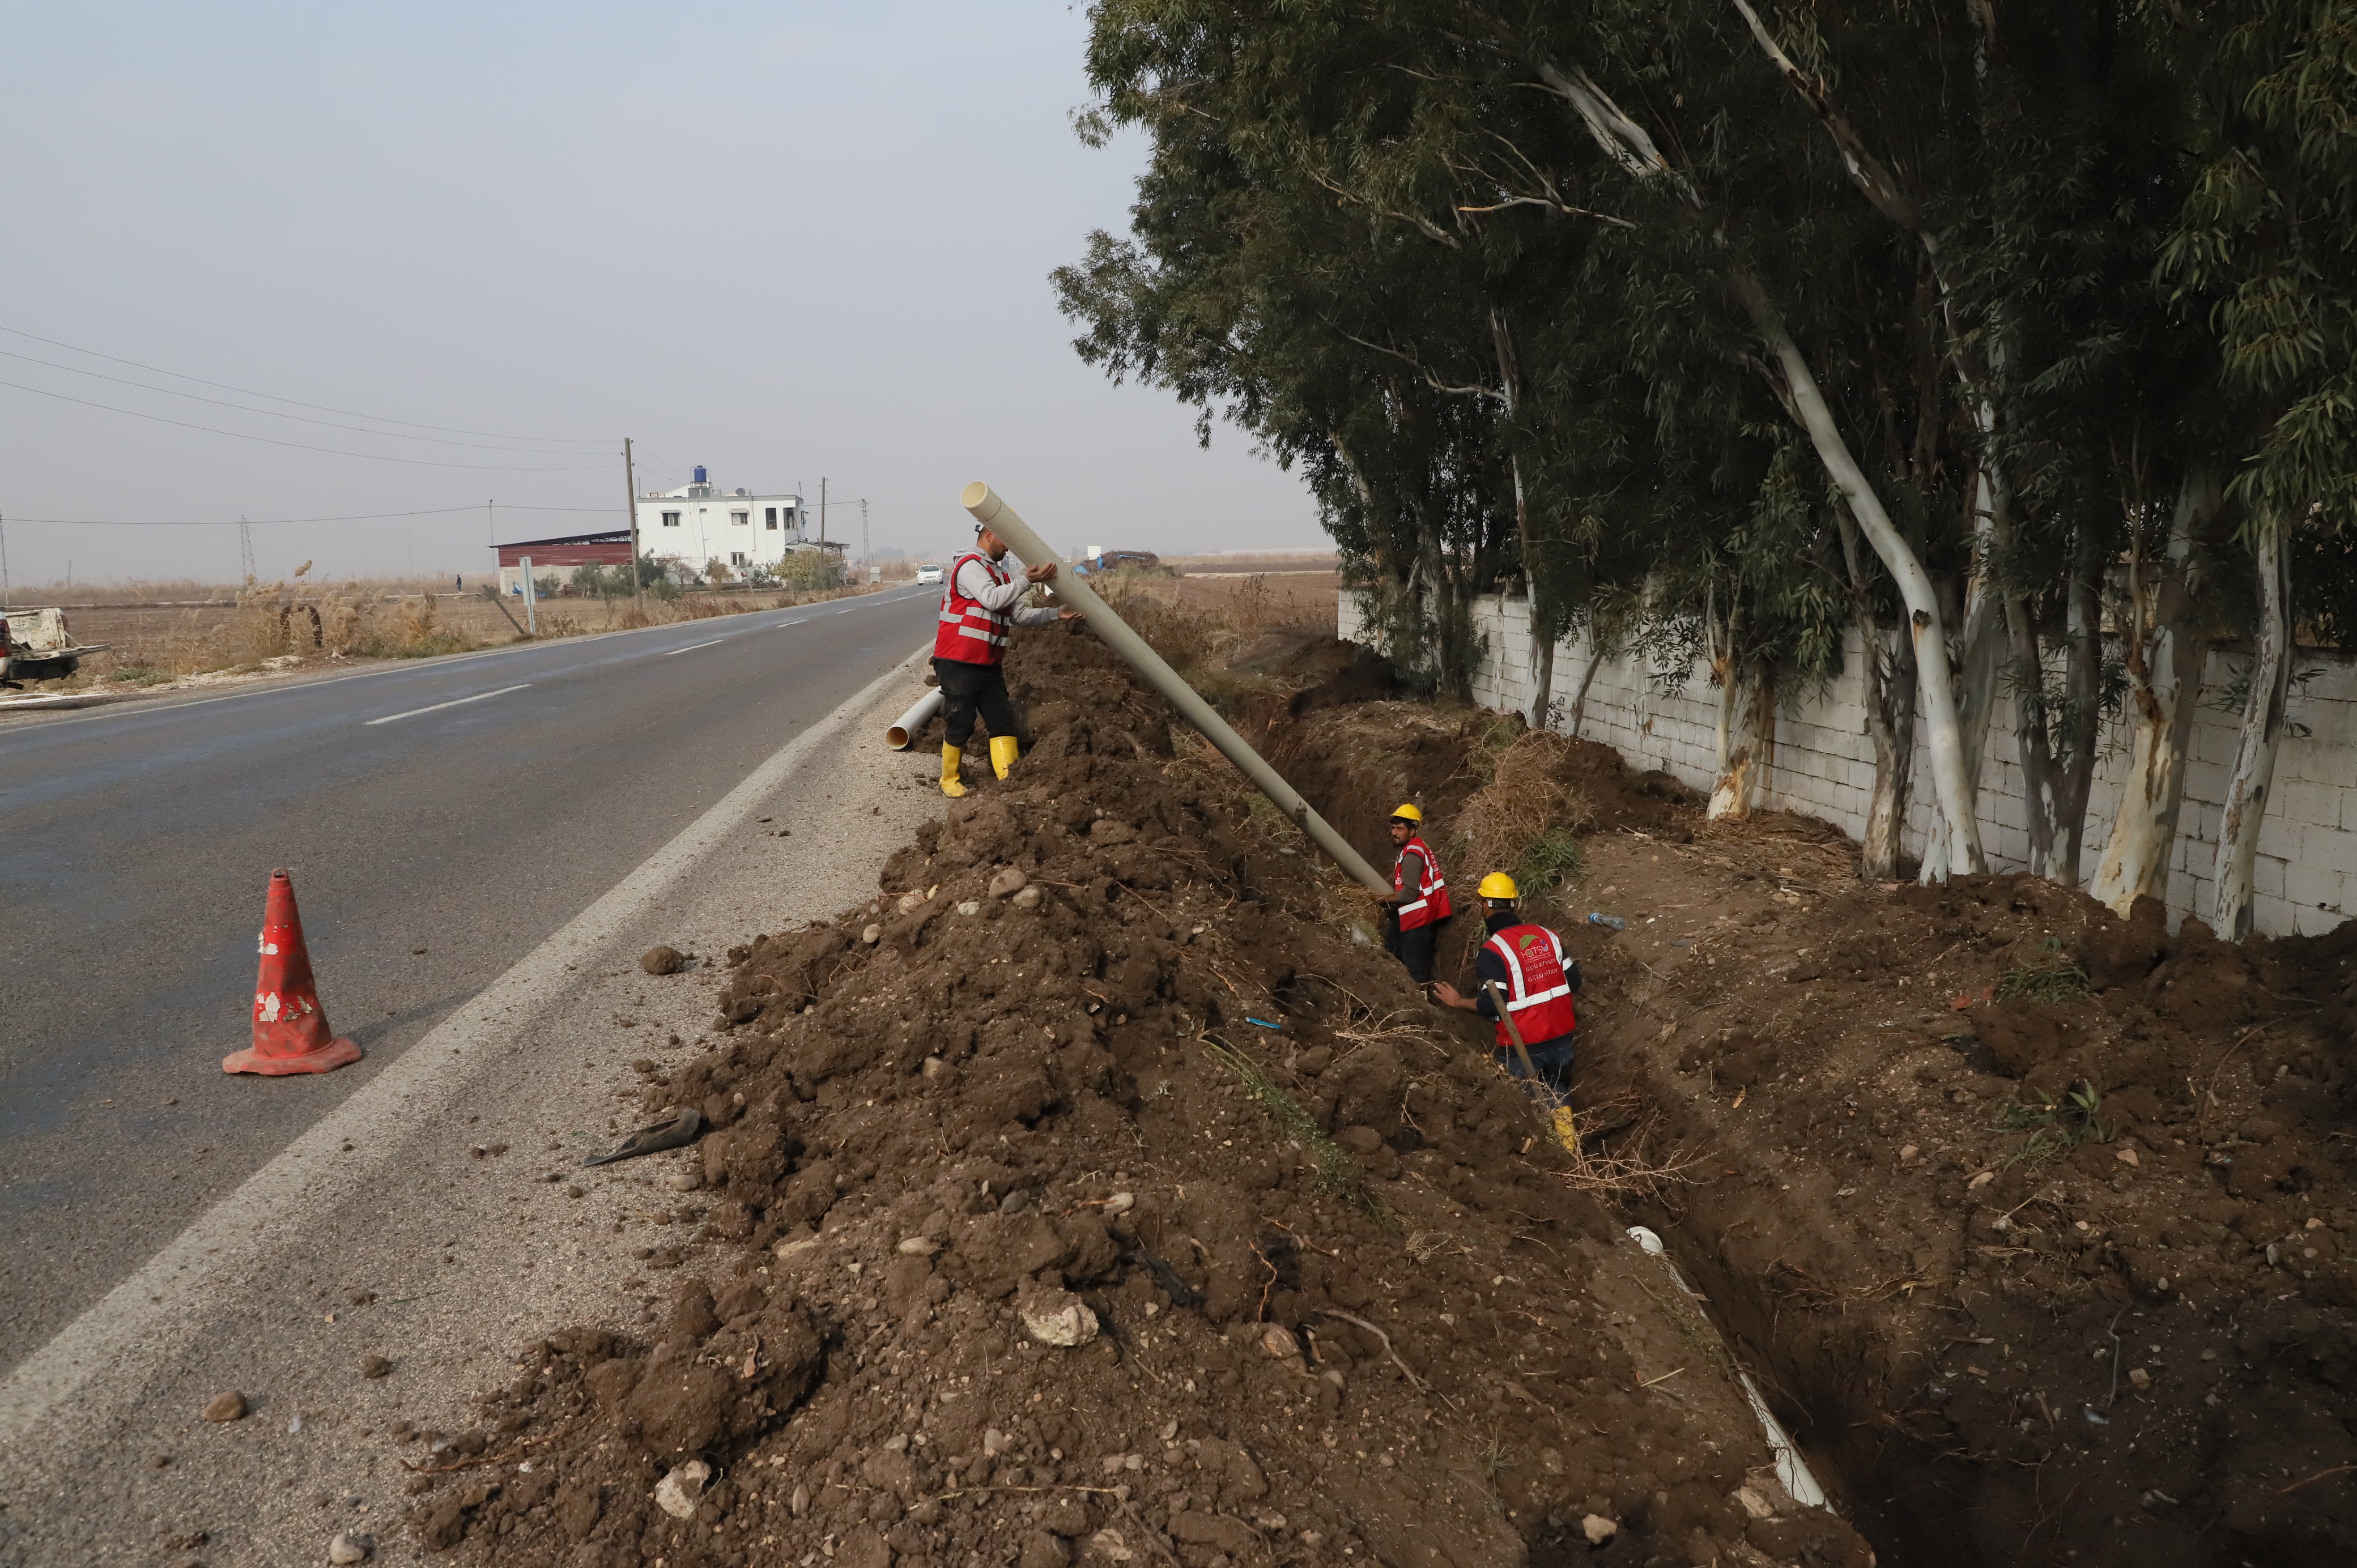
pixel 290 1032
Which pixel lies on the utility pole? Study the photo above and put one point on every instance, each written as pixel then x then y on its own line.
pixel 245 548
pixel 867 562
pixel 630 484
pixel 4 563
pixel 822 508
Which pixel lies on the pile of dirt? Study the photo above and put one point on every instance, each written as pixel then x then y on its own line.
pixel 1087 1197
pixel 2036 1222
pixel 2059 1275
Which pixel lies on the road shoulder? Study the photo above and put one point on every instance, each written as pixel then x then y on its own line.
pixel 438 1219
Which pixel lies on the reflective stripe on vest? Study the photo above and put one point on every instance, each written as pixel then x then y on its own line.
pixel 970 631
pixel 1538 997
pixel 1431 902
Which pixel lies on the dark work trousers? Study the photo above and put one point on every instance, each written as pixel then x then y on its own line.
pixel 1553 1060
pixel 968 688
pixel 1413 948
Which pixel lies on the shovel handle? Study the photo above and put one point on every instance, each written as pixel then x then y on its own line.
pixel 1498 1000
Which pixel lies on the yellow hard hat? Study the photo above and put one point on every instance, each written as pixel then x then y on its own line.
pixel 1498 884
pixel 1408 813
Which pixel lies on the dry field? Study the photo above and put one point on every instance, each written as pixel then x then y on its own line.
pixel 1246 563
pixel 161 634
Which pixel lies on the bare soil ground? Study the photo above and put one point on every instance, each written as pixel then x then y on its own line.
pixel 2032 1220
pixel 1139 1212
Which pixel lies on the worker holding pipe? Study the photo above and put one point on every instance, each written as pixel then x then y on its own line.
pixel 1419 897
pixel 978 601
pixel 1525 965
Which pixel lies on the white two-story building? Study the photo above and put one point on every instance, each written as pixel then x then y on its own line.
pixel 700 526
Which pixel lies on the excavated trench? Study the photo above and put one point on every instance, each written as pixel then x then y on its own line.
pixel 1094 1195
pixel 2032 1221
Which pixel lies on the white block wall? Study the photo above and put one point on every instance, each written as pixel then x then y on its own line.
pixel 1824 765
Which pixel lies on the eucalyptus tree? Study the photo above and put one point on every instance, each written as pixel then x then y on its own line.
pixel 1254 296
pixel 2267 243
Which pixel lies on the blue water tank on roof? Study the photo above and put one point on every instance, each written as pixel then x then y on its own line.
pixel 699 474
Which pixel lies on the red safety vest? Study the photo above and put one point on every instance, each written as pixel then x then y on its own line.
pixel 1538 996
pixel 1429 902
pixel 970 631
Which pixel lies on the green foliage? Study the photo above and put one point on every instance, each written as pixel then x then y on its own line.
pixel 1505 284
pixel 2054 979
pixel 2055 1126
pixel 1551 859
pixel 613 582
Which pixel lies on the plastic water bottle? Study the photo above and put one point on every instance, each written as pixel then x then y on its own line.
pixel 1609 922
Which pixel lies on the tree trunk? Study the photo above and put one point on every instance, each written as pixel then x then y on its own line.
pixel 1543 673
pixel 1890 679
pixel 2032 744
pixel 1747 741
pixel 1509 387
pixel 2164 652
pixel 1955 845
pixel 1597 652
pixel 1982 640
pixel 2261 738
pixel 2082 713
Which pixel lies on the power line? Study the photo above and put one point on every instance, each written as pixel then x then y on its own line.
pixel 304 447
pixel 268 521
pixel 298 403
pixel 274 413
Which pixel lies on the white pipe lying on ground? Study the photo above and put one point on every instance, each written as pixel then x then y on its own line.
pixel 904 729
pixel 1791 1471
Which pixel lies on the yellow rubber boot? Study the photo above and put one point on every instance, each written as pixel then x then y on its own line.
pixel 1002 754
pixel 951 757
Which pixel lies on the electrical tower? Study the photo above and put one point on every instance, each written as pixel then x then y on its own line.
pixel 245 548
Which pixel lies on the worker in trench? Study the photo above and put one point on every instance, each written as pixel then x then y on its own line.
pixel 978 610
pixel 1526 964
pixel 1419 900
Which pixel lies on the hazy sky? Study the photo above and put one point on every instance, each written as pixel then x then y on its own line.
pixel 782 241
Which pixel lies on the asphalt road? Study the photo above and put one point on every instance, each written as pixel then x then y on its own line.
pixel 439 821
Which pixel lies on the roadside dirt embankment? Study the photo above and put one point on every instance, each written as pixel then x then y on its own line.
pixel 1094 1195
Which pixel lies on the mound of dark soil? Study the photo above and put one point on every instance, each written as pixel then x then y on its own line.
pixel 2040 1281
pixel 1029 1240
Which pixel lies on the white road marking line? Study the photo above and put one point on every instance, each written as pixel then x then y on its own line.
pixel 454 703
pixel 693 646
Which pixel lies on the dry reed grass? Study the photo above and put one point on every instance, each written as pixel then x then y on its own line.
pixel 1631 1154
pixel 1198 623
pixel 1526 821
pixel 279 626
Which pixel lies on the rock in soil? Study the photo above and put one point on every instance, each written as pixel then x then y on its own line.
pixel 1055 1316
pixel 226 1407
pixel 663 960
pixel 348 1548
pixel 679 1493
pixel 374 1366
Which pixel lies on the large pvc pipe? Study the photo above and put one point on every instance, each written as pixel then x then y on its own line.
pixel 904 729
pixel 1793 1471
pixel 999 518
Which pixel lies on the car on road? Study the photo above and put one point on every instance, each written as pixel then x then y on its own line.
pixel 1143 561
pixel 37 645
pixel 930 572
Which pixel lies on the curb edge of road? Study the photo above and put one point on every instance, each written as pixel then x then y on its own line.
pixel 140 1320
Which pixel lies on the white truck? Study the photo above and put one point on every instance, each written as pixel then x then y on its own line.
pixel 37 645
